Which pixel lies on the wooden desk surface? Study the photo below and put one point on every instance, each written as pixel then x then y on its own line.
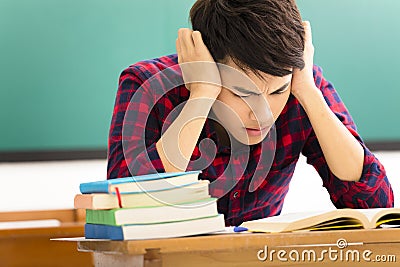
pixel 242 249
pixel 28 247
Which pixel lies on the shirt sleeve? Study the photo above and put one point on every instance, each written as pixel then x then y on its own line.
pixel 373 189
pixel 134 128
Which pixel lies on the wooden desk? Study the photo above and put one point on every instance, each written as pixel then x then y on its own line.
pixel 241 249
pixel 29 247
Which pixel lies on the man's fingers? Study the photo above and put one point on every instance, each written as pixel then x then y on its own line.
pixel 307 30
pixel 185 39
pixel 197 39
pixel 190 46
pixel 178 50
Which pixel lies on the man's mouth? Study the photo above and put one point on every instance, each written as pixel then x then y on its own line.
pixel 256 131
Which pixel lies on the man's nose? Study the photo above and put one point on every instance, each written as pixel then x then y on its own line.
pixel 259 109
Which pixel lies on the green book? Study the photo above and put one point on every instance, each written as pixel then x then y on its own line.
pixel 152 215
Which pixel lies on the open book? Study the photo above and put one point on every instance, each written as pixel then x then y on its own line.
pixel 335 219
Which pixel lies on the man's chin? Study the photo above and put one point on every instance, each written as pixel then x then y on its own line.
pixel 250 140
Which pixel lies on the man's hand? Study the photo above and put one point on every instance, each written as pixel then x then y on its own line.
pixel 342 151
pixel 303 80
pixel 202 78
pixel 199 70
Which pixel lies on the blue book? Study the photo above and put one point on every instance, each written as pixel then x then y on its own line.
pixel 142 183
pixel 155 231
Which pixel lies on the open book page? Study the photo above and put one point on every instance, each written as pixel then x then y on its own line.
pixel 378 216
pixel 294 217
pixel 291 221
pixel 338 223
pixel 322 220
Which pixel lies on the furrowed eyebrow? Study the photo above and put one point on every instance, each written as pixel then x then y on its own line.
pixel 244 90
pixel 281 88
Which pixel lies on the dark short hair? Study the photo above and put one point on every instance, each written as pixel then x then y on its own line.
pixel 259 35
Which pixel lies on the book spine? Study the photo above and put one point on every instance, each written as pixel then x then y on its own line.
pixel 96 187
pixel 100 217
pixel 99 231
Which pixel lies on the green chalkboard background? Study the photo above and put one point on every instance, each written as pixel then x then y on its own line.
pixel 357 43
pixel 60 62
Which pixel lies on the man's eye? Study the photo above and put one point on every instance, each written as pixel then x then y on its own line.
pixel 239 94
pixel 243 96
pixel 278 92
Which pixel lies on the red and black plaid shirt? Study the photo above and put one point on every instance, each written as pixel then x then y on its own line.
pixel 148 113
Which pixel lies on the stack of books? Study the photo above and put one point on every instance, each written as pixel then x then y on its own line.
pixel 150 206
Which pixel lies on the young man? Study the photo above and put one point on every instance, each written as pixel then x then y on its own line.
pixel 242 104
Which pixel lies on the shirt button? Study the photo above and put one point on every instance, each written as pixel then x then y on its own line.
pixel 236 195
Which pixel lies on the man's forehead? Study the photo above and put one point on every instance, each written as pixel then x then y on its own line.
pixel 234 77
pixel 242 68
pixel 231 76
